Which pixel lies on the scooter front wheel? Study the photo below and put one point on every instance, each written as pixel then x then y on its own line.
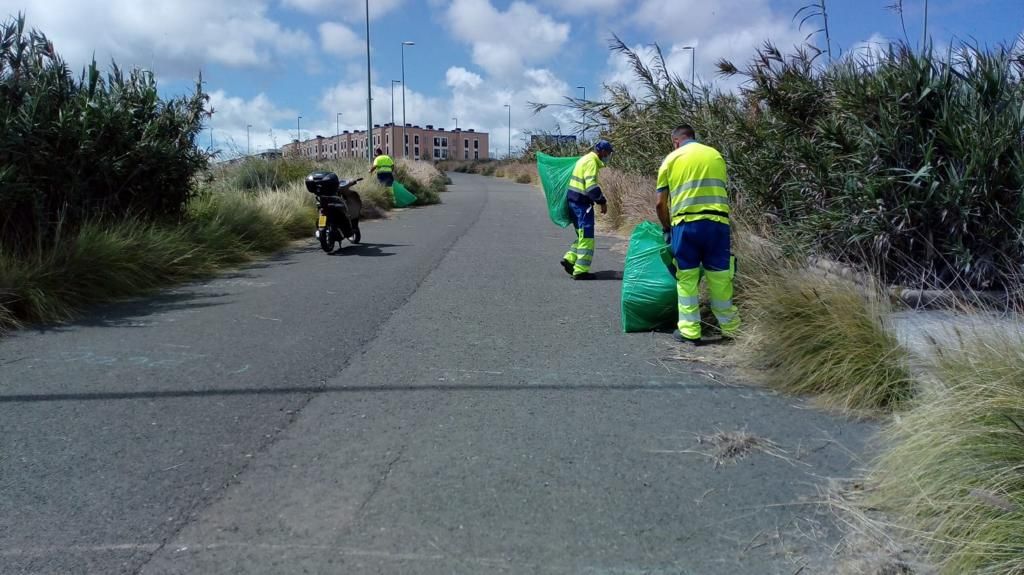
pixel 326 242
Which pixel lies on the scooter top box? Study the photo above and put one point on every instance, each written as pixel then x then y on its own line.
pixel 323 183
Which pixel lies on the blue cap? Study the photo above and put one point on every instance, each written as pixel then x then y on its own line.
pixel 603 146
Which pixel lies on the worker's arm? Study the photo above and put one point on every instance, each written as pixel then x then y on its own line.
pixel 664 198
pixel 662 208
pixel 594 189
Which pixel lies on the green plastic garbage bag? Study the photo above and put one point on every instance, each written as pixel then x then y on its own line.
pixel 648 287
pixel 403 197
pixel 555 173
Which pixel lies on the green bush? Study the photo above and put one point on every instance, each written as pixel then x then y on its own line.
pixel 74 150
pixel 524 179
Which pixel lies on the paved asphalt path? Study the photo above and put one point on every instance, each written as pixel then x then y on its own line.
pixel 442 399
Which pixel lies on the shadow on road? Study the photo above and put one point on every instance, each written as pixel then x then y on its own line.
pixel 366 250
pixel 232 392
pixel 133 313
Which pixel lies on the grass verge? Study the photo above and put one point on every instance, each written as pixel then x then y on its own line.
pixel 812 334
pixel 952 469
pixel 109 260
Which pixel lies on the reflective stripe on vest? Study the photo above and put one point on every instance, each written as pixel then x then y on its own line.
pixel 584 174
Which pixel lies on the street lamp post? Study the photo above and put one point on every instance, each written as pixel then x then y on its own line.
pixel 405 138
pixel 298 129
pixel 369 87
pixel 509 130
pixel 693 63
pixel 248 140
pixel 337 134
pixel 393 82
pixel 584 88
pixel 456 124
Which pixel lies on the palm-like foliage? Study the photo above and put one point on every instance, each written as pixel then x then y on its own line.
pixel 77 149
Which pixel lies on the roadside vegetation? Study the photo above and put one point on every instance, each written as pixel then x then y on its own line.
pixel 105 192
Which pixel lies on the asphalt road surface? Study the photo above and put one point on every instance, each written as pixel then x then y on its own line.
pixel 442 399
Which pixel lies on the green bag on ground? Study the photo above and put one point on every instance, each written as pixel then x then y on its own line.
pixel 648 287
pixel 555 173
pixel 403 197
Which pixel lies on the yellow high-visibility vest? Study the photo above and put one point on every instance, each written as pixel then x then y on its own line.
pixel 695 177
pixel 584 174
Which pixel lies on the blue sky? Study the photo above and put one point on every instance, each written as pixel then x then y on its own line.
pixel 265 62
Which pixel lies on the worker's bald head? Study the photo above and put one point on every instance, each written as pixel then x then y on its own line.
pixel 682 134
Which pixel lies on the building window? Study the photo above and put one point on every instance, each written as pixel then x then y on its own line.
pixel 476 154
pixel 466 154
pixel 444 142
pixel 476 144
pixel 407 139
pixel 437 142
pixel 416 140
pixel 417 150
pixel 465 143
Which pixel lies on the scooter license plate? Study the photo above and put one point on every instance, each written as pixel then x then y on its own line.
pixel 322 222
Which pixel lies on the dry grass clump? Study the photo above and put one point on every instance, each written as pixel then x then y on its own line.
pixel 825 336
pixel 631 198
pixel 953 469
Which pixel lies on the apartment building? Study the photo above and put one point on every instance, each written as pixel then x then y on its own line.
pixel 422 143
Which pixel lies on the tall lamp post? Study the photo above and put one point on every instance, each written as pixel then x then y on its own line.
pixel 248 140
pixel 393 82
pixel 509 130
pixel 337 134
pixel 369 87
pixel 693 63
pixel 456 124
pixel 405 138
pixel 584 88
pixel 298 129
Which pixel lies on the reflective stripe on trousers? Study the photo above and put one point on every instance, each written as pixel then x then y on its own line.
pixel 688 292
pixel 581 253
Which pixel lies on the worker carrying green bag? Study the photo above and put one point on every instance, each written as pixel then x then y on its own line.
pixel 583 194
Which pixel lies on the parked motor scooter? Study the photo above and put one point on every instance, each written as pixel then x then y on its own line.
pixel 338 209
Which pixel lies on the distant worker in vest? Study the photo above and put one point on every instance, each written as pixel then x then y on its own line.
pixel 693 207
pixel 584 194
pixel 385 167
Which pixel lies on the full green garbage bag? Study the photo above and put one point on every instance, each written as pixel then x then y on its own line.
pixel 403 197
pixel 648 287
pixel 555 173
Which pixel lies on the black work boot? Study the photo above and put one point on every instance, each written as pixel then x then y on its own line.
pixel 679 337
pixel 567 266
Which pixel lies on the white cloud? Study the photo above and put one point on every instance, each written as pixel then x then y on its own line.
pixel 504 42
pixel 729 29
pixel 340 40
pixel 172 35
pixel 871 49
pixel 272 126
pixel 458 77
pixel 351 10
